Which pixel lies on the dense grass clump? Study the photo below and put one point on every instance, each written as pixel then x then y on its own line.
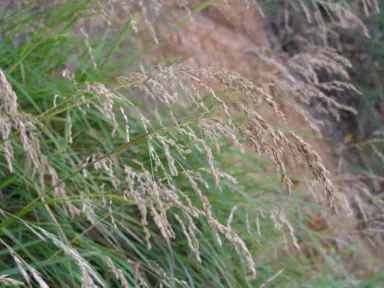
pixel 119 173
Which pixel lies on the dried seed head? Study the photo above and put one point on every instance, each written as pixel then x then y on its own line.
pixel 6 281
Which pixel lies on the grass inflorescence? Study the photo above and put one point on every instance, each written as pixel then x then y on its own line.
pixel 119 173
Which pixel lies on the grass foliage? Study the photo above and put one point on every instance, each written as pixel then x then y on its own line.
pixel 117 179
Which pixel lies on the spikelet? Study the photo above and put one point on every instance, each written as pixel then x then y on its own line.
pixel 9 282
pixel 24 268
pixel 26 126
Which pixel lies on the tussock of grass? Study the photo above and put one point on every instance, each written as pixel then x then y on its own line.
pixel 145 179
